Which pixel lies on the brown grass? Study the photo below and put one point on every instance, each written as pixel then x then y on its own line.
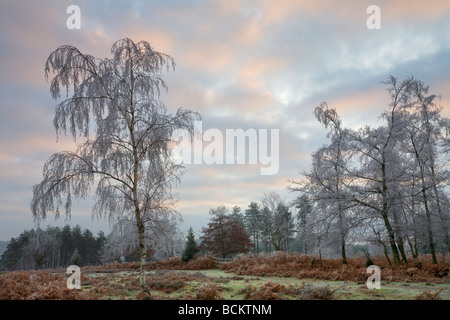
pixel 102 284
pixel 174 263
pixel 39 285
pixel 171 281
pixel 106 283
pixel 268 291
pixel 428 295
pixel 208 292
pixel 302 267
pixel 309 292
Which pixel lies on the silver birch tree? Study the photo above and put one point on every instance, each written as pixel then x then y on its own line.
pixel 130 157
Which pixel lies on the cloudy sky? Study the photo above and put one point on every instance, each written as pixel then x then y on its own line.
pixel 241 64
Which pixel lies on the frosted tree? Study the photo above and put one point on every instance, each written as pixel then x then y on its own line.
pixel 393 177
pixel 328 176
pixel 436 130
pixel 419 146
pixel 162 238
pixel 427 131
pixel 327 184
pixel 129 158
pixel 278 221
pixel 381 172
pixel 41 248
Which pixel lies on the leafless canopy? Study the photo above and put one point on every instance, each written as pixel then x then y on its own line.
pixel 129 157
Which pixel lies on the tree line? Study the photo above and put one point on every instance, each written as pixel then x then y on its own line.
pixel 262 227
pixel 53 247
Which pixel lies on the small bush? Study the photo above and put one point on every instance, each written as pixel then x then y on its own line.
pixel 201 263
pixel 170 281
pixel 268 291
pixel 310 292
pixel 321 293
pixel 428 295
pixel 166 286
pixel 208 292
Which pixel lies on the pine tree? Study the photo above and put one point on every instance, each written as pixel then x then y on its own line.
pixel 253 224
pixel 191 246
pixel 75 259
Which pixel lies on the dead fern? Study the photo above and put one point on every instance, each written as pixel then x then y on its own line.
pixel 428 295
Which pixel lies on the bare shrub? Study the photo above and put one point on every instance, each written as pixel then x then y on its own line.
pixel 321 293
pixel 268 291
pixel 201 263
pixel 208 292
pixel 428 295
pixel 167 282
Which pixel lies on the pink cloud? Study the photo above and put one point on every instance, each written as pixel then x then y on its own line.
pixel 255 73
pixel 442 89
pixel 412 10
pixel 249 32
pixel 212 57
pixel 360 108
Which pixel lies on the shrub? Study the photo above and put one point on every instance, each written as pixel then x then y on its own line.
pixel 200 263
pixel 208 292
pixel 268 291
pixel 167 282
pixel 320 293
pixel 428 295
